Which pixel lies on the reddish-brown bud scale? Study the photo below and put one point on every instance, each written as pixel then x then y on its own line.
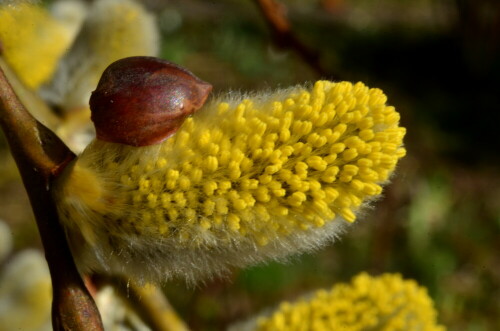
pixel 141 100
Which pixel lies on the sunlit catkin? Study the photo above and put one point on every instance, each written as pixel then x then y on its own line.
pixel 245 179
pixel 367 303
pixel 113 29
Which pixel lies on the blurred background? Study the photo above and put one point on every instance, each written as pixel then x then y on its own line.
pixel 438 222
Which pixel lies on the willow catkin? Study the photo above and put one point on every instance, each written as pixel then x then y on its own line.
pixel 32 41
pixel 245 179
pixel 113 29
pixel 387 302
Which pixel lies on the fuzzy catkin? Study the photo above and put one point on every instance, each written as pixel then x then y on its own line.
pixel 25 293
pixel 32 40
pixel 387 302
pixel 243 180
pixel 113 29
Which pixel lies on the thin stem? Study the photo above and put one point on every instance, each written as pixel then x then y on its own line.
pixel 40 156
pixel 275 16
pixel 151 304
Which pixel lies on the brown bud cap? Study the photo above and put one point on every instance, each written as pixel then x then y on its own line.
pixel 141 100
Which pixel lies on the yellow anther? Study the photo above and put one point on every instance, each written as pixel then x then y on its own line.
pixel 272 169
pixel 179 198
pixel 222 108
pixel 330 174
pixel 357 185
pixel 248 198
pixel 144 185
pixel 172 174
pixel 152 200
pixel 365 123
pixel 208 207
pixel 209 187
pixel 221 206
pixel 401 152
pixel 211 163
pixel 249 184
pixel 184 183
pixel 196 175
pixel 285 174
pixel 337 148
pixel 205 224
pixel 239 204
pixel 317 163
pixel 262 194
pixel 353 142
pixel 224 186
pixel 172 214
pixel 345 178
pixel 279 192
pixel 187 167
pixel 282 211
pixel 296 199
pixel 165 200
pixel 364 162
pixel 350 154
pixel 213 149
pixel 348 215
pixel 265 179
pixel 350 170
pixel 366 134
pixel 330 158
pixel 330 194
pixel 318 221
pixel 347 118
pixel 233 222
pixel 190 214
pixel 204 138
pixel 300 167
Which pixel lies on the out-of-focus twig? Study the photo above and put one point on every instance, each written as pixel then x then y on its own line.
pixel 151 304
pixel 40 156
pixel 275 14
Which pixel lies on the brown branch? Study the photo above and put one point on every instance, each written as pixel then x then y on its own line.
pixel 40 156
pixel 275 16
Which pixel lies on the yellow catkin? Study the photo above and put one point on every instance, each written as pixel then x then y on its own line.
pixel 113 29
pixel 231 180
pixel 386 303
pixel 32 41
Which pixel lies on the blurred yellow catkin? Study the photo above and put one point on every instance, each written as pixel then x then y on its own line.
pixel 387 302
pixel 113 29
pixel 33 41
pixel 25 293
pixel 243 180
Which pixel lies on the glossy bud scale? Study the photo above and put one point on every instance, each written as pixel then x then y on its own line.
pixel 140 101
